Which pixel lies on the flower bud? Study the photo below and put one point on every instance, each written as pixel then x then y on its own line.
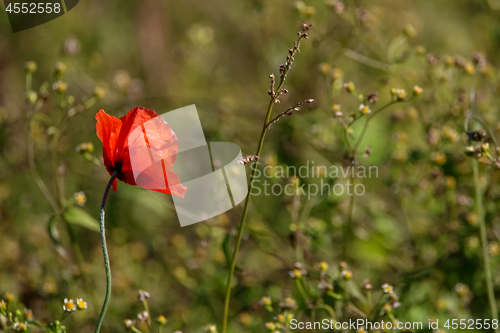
pixel 30 66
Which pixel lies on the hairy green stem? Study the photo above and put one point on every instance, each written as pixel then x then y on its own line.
pixel 105 253
pixel 484 243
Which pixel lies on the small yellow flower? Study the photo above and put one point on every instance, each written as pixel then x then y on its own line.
pixel 401 137
pixel 9 297
pixel 450 134
pixel 21 327
pixel 494 249
pixel 323 266
pixel 265 300
pixel 3 306
pixel 309 10
pixel 346 274
pixel 30 66
pixel 60 68
pixel 211 328
pixel 469 151
pixel 469 68
pixel 387 288
pixel 451 182
pixel 288 303
pixel 128 323
pixel 461 289
pixel 99 92
pixel 281 318
pixel 364 109
pixel 473 242
pixel 60 86
pixel 439 158
pixel 441 304
pixel 32 97
pixel 336 107
pixel 80 198
pixel 161 320
pixel 400 155
pixel 80 304
pixel 29 314
pixel 85 147
pixel 417 90
pixel 350 87
pixel 485 147
pixel 410 30
pixel 69 305
pixel 472 218
pixel 245 318
pixel 270 326
pixel 296 273
pixel 420 50
pixel 449 61
pixel 324 68
pixel 401 94
pixel 337 74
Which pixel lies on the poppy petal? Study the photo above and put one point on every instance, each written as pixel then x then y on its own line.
pixel 108 129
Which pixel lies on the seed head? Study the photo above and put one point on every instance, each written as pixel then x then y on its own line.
pixel 373 97
pixel 367 285
pixel 129 323
pixel 143 316
pixel 142 295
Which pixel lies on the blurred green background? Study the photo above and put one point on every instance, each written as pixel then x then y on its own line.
pixel 414 228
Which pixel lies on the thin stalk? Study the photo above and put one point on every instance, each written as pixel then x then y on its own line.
pixel 365 127
pixel 348 225
pixel 81 266
pixel 244 215
pixel 148 321
pixel 74 244
pixel 275 93
pixel 484 244
pixel 105 253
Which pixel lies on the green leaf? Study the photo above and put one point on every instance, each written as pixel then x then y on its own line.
pixel 78 216
pixel 227 250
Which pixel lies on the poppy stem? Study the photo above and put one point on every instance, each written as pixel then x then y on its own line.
pixel 105 253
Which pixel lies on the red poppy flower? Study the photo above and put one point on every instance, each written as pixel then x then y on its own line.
pixel 142 147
